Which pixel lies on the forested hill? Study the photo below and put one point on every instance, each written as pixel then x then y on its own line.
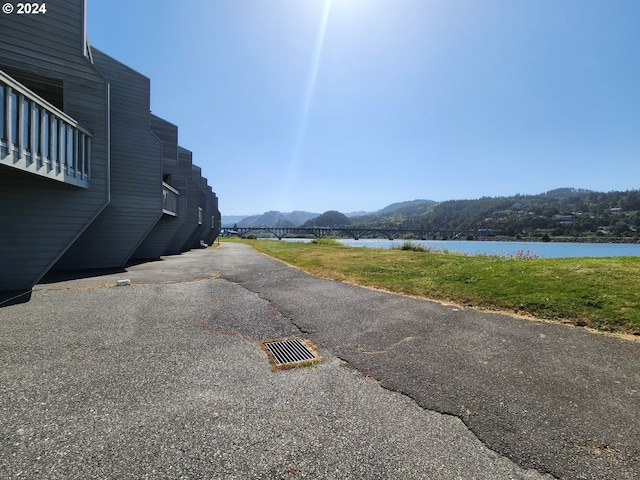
pixel 561 212
pixel 271 218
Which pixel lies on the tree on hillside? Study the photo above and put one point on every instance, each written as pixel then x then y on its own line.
pixel 564 211
pixel 330 218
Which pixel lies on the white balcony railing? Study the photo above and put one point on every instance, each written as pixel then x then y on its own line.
pixel 169 200
pixel 39 138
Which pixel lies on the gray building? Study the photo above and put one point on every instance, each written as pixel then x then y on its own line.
pixel 174 184
pixel 179 240
pixel 135 200
pixel 88 177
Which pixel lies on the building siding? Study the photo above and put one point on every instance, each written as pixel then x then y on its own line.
pixel 204 204
pixel 156 243
pixel 41 218
pixel 215 230
pixel 136 175
pixel 118 215
pixel 179 242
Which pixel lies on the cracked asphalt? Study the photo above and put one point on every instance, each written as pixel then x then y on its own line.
pixel 165 379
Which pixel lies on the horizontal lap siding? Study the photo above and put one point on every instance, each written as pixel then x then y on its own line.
pixel 209 233
pixel 161 235
pixel 198 234
pixel 205 197
pixel 206 192
pixel 136 175
pixel 179 242
pixel 40 218
pixel 217 216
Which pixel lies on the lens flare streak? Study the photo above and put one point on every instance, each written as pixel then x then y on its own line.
pixel 308 100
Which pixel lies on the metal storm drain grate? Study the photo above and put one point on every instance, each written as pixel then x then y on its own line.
pixel 289 352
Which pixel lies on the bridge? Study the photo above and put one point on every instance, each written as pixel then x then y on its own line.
pixel 355 233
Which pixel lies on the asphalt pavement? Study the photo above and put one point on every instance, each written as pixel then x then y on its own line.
pixel 165 378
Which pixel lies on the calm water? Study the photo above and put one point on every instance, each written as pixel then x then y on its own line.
pixel 540 249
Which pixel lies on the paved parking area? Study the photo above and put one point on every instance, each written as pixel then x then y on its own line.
pixel 165 379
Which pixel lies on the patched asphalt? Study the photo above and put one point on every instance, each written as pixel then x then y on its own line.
pixel 165 379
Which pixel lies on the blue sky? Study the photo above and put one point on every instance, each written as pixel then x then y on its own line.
pixel 355 104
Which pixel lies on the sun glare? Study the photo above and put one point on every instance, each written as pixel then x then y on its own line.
pixel 308 99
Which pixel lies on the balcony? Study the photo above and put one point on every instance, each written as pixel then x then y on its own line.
pixel 39 138
pixel 169 200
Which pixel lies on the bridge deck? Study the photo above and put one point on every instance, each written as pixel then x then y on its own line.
pixel 356 233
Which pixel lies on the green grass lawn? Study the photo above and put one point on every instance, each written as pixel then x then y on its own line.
pixel 602 293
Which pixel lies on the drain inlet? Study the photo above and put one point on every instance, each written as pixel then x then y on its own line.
pixel 287 352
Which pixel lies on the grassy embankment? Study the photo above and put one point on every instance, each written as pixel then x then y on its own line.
pixel 602 293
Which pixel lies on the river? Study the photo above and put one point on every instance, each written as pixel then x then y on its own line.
pixel 528 249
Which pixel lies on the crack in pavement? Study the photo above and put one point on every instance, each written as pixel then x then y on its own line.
pixel 509 380
pixel 465 413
